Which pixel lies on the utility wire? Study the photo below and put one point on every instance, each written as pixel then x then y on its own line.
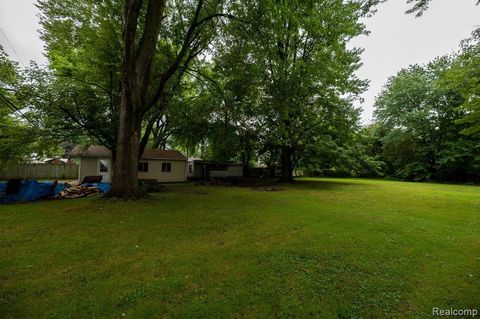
pixel 11 46
pixel 17 110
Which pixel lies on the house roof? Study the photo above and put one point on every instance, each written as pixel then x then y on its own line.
pixel 91 151
pixel 149 153
pixel 102 151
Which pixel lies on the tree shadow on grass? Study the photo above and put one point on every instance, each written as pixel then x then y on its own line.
pixel 273 184
pixel 327 184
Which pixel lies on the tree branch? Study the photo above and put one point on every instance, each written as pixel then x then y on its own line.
pixel 181 55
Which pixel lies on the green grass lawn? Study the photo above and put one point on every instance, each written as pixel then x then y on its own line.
pixel 334 248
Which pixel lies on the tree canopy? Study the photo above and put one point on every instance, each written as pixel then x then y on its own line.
pixel 22 136
pixel 420 6
pixel 263 82
pixel 259 79
pixel 426 116
pixel 288 71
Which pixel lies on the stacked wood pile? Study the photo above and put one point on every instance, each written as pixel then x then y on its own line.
pixel 78 191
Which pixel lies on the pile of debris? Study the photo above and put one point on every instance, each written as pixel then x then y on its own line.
pixel 18 190
pixel 267 185
pixel 78 191
pixel 219 182
pixel 267 188
pixel 151 186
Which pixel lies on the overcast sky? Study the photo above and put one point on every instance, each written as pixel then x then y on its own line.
pixel 396 40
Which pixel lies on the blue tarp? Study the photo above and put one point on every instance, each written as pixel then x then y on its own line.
pixel 103 187
pixel 31 190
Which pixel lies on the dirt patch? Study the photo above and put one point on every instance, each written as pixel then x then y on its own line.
pixel 267 188
pixel 239 181
pixel 218 182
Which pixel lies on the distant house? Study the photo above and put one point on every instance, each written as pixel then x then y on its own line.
pixel 160 165
pixel 200 169
pixel 57 160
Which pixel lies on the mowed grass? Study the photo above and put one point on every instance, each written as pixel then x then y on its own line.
pixel 332 248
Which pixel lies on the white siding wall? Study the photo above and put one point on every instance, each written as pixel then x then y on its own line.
pixel 87 167
pixel 178 173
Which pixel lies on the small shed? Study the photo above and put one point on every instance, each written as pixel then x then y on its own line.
pixel 200 169
pixel 164 166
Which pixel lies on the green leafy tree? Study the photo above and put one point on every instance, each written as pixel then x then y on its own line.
pixel 123 54
pixel 76 94
pixel 420 6
pixel 304 72
pixel 20 135
pixel 464 77
pixel 422 140
pixel 465 72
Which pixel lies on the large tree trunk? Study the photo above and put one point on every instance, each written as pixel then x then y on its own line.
pixel 125 172
pixel 137 96
pixel 135 90
pixel 287 164
pixel 146 136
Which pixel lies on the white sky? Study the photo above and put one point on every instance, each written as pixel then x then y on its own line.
pixel 396 40
pixel 19 23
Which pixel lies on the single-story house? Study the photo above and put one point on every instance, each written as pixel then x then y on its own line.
pixel 161 165
pixel 200 169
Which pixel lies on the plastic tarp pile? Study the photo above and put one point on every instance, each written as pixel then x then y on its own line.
pixel 31 190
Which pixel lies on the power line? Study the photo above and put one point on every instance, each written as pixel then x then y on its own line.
pixel 17 110
pixel 11 46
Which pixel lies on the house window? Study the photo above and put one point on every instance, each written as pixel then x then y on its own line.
pixel 143 166
pixel 166 167
pixel 103 166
